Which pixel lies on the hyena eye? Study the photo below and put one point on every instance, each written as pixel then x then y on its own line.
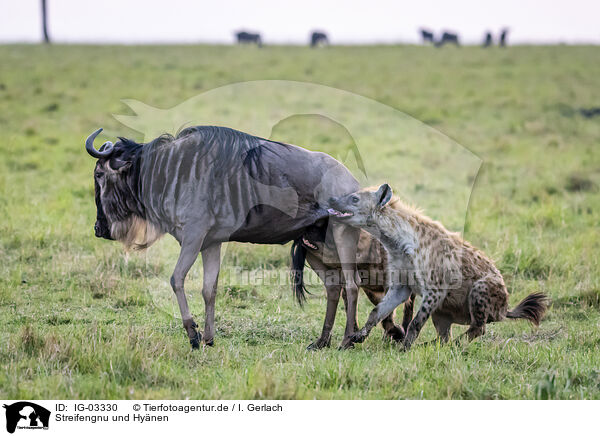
pixel 355 199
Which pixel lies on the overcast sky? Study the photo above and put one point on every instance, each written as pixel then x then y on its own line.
pixel 346 21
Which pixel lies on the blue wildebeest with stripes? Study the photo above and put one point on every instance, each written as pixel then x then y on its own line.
pixel 211 185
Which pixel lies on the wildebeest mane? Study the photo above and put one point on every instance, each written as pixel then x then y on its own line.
pixel 230 150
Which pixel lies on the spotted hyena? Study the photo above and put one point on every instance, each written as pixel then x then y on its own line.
pixel 457 282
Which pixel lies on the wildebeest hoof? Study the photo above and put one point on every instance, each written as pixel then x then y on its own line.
pixel 210 342
pixel 349 341
pixel 319 344
pixel 346 345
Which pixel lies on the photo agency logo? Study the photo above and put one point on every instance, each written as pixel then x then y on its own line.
pixel 25 415
pixel 236 180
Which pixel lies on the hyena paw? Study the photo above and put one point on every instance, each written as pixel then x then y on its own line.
pixel 195 341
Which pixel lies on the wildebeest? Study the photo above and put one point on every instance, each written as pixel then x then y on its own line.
pixel 371 263
pixel 487 42
pixel 590 112
pixel 503 36
pixel 318 39
pixel 210 185
pixel 446 38
pixel 427 36
pixel 457 282
pixel 248 38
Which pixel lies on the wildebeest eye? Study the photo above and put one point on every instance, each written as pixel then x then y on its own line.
pixel 355 199
pixel 99 174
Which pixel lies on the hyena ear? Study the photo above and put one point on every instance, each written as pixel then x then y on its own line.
pixel 383 195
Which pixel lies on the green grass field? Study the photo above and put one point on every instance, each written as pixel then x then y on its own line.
pixel 79 319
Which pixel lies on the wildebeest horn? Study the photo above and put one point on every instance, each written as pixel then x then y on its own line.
pixel 106 149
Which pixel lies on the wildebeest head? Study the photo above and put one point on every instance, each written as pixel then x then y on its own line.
pixel 120 214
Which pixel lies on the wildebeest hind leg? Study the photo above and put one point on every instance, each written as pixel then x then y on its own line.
pixel 345 298
pixel 187 257
pixel 346 241
pixel 211 264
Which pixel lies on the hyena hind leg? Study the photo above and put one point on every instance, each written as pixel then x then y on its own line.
pixel 443 326
pixel 487 303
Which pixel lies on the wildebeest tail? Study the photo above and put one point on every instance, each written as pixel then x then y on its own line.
pixel 298 259
pixel 532 308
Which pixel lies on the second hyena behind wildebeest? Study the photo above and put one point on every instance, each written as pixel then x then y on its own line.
pixel 458 283
pixel 371 264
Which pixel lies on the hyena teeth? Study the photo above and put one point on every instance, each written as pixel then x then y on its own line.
pixel 309 244
pixel 339 214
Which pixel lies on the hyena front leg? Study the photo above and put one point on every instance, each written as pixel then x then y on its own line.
pixel 431 301
pixel 396 295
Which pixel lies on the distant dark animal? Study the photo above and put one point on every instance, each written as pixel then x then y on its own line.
pixel 210 185
pixel 503 37
pixel 590 112
pixel 427 36
pixel 318 39
pixel 249 38
pixel 487 42
pixel 448 38
pixel 371 264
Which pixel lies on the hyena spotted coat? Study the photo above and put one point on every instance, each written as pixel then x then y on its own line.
pixel 458 283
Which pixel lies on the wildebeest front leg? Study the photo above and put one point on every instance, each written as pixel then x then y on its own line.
pixel 346 241
pixel 211 264
pixel 396 295
pixel 187 257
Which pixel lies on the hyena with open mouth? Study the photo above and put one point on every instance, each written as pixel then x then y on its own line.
pixel 458 283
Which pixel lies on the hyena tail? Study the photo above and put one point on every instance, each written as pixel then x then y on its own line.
pixel 532 308
pixel 297 273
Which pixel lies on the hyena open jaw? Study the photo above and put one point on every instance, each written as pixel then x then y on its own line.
pixel 474 294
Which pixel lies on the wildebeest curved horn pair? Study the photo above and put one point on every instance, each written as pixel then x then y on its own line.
pixel 106 149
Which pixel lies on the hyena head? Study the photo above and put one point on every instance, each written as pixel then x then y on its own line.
pixel 357 209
